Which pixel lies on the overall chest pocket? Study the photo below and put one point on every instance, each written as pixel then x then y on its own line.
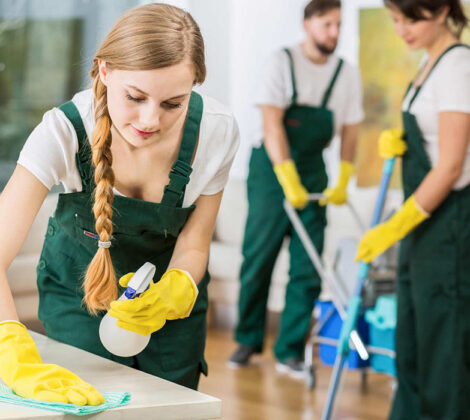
pixel 308 129
pixel 130 247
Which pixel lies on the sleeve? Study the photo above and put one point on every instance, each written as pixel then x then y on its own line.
pixel 49 150
pixel 231 142
pixel 274 86
pixel 354 112
pixel 452 88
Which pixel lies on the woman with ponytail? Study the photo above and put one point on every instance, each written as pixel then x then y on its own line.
pixel 143 160
pixel 433 287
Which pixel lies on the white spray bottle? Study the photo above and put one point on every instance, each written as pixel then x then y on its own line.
pixel 119 341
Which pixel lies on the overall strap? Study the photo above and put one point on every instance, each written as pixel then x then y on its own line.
pixel 418 89
pixel 292 75
pixel 407 90
pixel 326 96
pixel 83 156
pixel 173 194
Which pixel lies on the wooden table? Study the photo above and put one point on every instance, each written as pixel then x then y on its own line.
pixel 151 397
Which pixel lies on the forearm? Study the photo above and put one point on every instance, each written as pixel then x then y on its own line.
pixel 454 133
pixel 20 202
pixel 276 144
pixel 274 134
pixel 349 136
pixel 338 194
pixel 436 186
pixel 194 261
pixel 7 305
pixel 191 252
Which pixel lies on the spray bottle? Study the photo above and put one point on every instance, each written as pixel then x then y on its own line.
pixel 119 341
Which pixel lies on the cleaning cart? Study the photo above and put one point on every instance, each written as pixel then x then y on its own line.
pixel 337 279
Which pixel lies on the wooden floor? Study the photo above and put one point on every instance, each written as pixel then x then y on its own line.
pixel 259 392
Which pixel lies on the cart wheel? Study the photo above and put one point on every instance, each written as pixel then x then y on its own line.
pixel 311 378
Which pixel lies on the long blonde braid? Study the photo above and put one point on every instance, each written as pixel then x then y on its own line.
pixel 148 37
pixel 100 280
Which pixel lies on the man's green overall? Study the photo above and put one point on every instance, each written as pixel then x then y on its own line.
pixel 309 130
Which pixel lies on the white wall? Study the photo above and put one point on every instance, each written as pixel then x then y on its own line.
pixel 239 35
pixel 214 19
pixel 257 28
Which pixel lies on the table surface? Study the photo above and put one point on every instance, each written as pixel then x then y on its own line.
pixel 151 397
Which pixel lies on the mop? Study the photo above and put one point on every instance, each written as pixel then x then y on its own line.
pixel 339 296
pixel 355 301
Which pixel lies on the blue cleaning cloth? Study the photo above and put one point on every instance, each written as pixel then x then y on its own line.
pixel 112 400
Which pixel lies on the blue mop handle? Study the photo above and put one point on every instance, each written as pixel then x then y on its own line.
pixel 356 300
pixel 387 172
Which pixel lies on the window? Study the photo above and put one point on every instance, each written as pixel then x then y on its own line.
pixel 46 51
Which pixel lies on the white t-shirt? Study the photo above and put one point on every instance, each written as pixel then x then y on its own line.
pixel 49 153
pixel 446 89
pixel 312 80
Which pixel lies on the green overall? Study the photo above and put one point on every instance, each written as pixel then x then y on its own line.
pixel 143 231
pixel 309 131
pixel 433 321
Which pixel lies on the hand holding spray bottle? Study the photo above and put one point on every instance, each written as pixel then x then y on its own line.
pixel 119 341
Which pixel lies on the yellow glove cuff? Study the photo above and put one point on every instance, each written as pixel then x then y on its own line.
pixel 12 329
pixel 195 289
pixel 286 172
pixel 346 169
pixel 16 346
pixel 288 177
pixel 338 194
pixel 11 321
pixel 383 236
pixel 176 273
pixel 408 217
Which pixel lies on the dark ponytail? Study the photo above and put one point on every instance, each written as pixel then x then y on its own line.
pixel 414 9
pixel 457 16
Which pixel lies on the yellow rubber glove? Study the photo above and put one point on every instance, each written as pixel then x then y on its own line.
pixel 338 195
pixel 289 179
pixel 21 368
pixel 391 143
pixel 173 297
pixel 383 236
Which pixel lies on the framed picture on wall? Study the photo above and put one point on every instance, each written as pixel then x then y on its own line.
pixel 387 67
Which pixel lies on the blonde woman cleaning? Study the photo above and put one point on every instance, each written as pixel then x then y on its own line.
pixel 433 322
pixel 143 160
